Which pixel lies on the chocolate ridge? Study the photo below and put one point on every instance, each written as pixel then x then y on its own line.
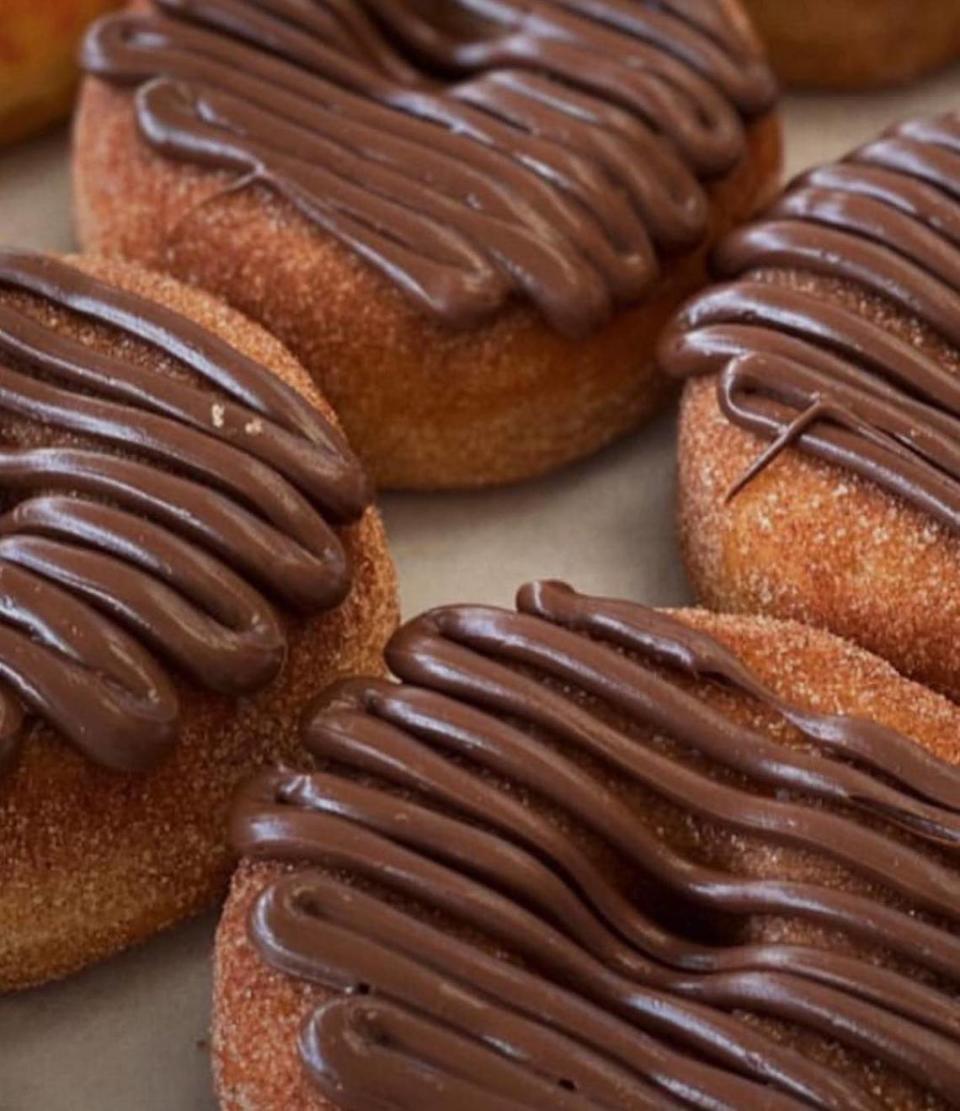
pixel 160 515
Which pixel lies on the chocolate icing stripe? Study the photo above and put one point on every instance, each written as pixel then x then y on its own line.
pixel 228 639
pixel 182 502
pixel 385 948
pixel 774 350
pixel 845 435
pixel 200 515
pixel 479 791
pixel 877 220
pixel 701 35
pixel 759 318
pixel 671 219
pixel 647 632
pixel 398 156
pixel 420 252
pixel 925 149
pixel 409 1050
pixel 368 748
pixel 313 452
pixel 461 667
pixel 242 477
pixel 912 285
pixel 798 368
pixel 713 50
pixel 925 202
pixel 90 680
pixel 574 129
pixel 550 877
pixel 567 48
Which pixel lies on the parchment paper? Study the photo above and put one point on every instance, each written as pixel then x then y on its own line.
pixel 130 1035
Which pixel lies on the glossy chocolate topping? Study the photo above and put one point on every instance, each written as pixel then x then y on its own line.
pixel 797 367
pixel 149 515
pixel 492 892
pixel 471 150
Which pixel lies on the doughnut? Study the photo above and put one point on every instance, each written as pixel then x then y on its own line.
pixel 588 854
pixel 819 445
pixel 469 221
pixel 186 548
pixel 38 73
pixel 856 44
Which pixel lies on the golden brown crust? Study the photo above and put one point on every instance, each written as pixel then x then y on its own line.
pixel 525 399
pixel 811 541
pixel 257 1012
pixel 856 44
pixel 38 74
pixel 93 861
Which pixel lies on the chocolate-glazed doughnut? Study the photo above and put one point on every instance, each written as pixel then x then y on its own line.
pixel 505 177
pixel 588 854
pixel 183 531
pixel 821 419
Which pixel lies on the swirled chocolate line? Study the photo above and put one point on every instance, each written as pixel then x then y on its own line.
pixel 479 951
pixel 797 367
pixel 546 149
pixel 158 514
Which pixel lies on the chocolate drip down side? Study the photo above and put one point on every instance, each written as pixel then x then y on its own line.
pixel 444 887
pixel 156 521
pixel 797 368
pixel 550 150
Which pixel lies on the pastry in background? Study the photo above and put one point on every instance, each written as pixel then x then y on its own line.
pixel 589 855
pixel 38 71
pixel 469 221
pixel 186 549
pixel 856 44
pixel 820 429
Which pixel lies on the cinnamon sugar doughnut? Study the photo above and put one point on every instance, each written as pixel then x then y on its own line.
pixel 856 44
pixel 588 854
pixel 186 549
pixel 469 221
pixel 820 433
pixel 38 67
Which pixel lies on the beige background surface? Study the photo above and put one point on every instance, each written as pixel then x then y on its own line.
pixel 131 1034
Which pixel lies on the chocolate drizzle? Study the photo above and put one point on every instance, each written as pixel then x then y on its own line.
pixel 471 151
pixel 151 513
pixel 797 367
pixel 484 953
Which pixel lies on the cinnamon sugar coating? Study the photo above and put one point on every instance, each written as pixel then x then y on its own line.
pixel 856 44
